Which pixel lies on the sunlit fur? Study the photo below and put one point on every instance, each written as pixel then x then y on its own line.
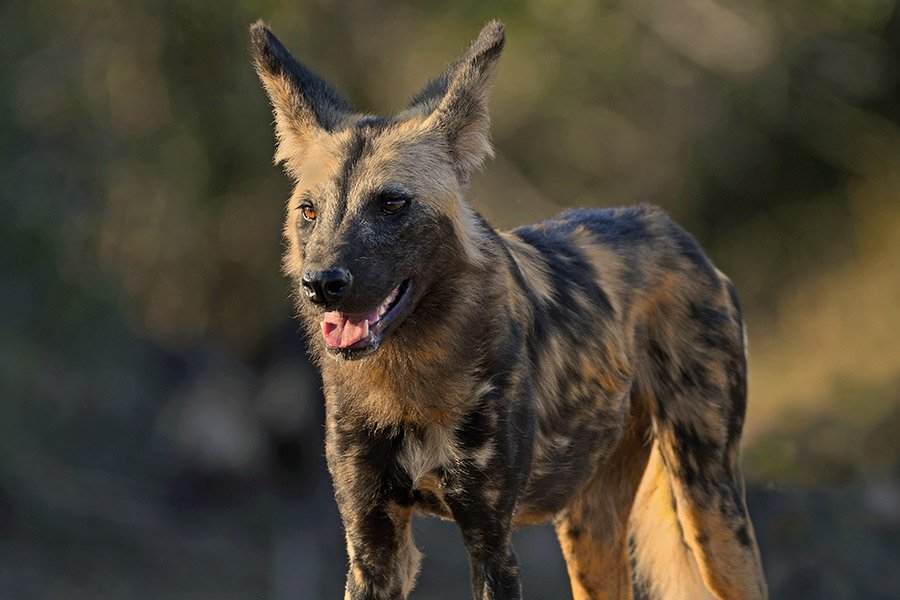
pixel 588 370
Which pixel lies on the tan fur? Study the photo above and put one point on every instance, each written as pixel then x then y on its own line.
pixel 532 266
pixel 295 128
pixel 664 565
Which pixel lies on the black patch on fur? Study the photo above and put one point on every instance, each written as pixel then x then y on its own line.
pixel 475 429
pixel 695 376
pixel 716 329
pixel 705 452
pixel 743 536
pixel 374 123
pixel 689 249
pixel 737 396
pixel 668 388
pixel 616 227
pixel 357 146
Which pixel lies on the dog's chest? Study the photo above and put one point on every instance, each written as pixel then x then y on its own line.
pixel 427 451
pixel 432 457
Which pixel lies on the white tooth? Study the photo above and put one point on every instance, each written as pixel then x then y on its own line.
pixel 365 328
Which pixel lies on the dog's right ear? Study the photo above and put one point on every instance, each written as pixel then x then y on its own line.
pixel 304 105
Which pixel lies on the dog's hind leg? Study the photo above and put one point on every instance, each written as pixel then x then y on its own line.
pixel 665 568
pixel 698 399
pixel 708 490
pixel 593 529
pixel 708 495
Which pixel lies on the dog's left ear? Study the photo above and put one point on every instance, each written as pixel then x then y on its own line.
pixel 304 105
pixel 456 103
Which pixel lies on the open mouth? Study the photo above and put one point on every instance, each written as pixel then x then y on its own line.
pixel 356 335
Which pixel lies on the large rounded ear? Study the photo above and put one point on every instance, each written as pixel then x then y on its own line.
pixel 456 102
pixel 304 105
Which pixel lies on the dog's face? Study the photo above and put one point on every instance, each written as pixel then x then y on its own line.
pixel 372 221
pixel 376 221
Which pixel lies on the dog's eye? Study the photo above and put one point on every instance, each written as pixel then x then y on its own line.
pixel 308 211
pixel 393 202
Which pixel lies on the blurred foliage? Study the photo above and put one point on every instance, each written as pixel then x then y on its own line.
pixel 149 370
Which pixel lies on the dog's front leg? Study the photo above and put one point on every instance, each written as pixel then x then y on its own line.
pixel 384 561
pixel 376 512
pixel 485 520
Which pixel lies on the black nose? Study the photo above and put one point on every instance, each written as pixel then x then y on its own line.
pixel 326 286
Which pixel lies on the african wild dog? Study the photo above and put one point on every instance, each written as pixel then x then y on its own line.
pixel 588 370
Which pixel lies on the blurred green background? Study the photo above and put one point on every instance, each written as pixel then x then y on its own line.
pixel 160 428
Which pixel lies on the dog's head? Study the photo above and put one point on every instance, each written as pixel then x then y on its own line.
pixel 377 221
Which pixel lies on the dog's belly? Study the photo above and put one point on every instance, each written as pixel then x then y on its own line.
pixel 568 451
pixel 556 479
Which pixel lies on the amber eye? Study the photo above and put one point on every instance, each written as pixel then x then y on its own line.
pixel 393 202
pixel 308 212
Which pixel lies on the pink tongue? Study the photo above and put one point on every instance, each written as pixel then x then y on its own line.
pixel 341 331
